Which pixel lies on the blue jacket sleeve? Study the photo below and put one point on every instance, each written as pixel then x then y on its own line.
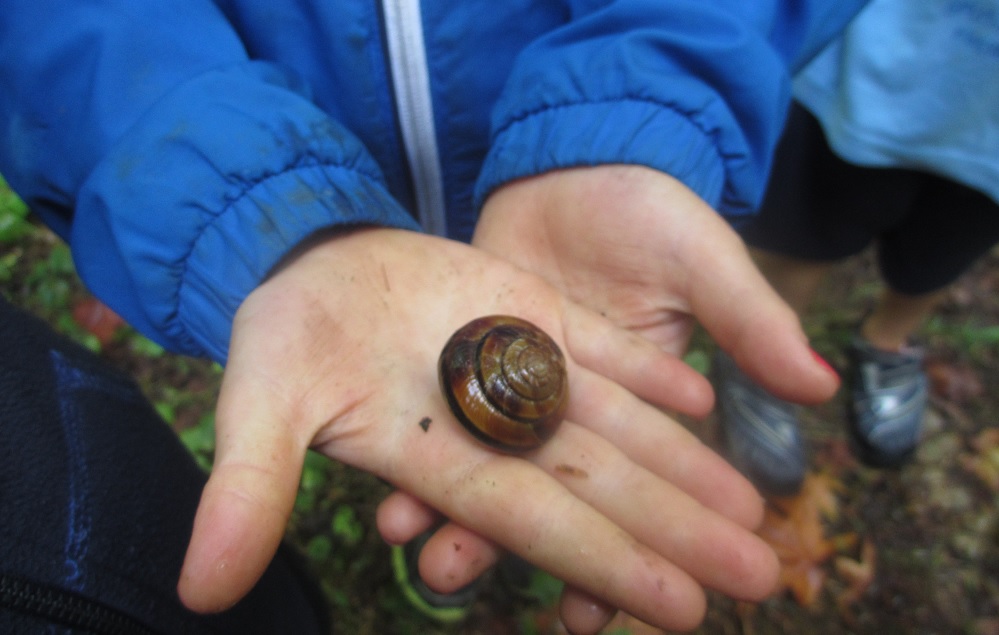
pixel 696 89
pixel 127 109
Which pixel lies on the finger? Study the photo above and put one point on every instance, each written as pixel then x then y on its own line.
pixel 636 363
pixel 508 500
pixel 583 614
pixel 747 318
pixel 401 517
pixel 662 446
pixel 454 557
pixel 245 506
pixel 451 559
pixel 717 552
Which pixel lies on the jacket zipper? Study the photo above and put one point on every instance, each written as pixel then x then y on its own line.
pixel 415 109
pixel 65 608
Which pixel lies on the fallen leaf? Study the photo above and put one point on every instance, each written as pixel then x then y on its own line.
pixel 745 611
pixel 983 460
pixel 794 527
pixel 858 575
pixel 94 316
pixel 954 382
pixel 804 580
pixel 987 626
pixel 986 440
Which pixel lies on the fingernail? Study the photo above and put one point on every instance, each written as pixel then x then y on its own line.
pixel 822 362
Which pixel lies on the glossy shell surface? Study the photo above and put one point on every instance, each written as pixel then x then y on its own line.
pixel 505 381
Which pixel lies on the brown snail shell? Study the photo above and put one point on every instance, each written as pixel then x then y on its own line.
pixel 505 381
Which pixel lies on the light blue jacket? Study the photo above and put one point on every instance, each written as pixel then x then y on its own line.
pixel 914 84
pixel 183 146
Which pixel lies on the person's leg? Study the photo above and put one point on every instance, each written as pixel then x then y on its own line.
pixel 796 280
pixel 948 227
pixel 817 211
pixel 896 318
pixel 97 501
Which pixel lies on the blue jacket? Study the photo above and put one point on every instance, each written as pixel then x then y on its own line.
pixel 183 146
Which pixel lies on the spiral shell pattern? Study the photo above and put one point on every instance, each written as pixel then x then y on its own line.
pixel 505 381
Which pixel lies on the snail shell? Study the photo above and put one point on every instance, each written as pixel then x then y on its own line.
pixel 505 381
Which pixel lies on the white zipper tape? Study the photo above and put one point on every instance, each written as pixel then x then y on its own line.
pixel 415 109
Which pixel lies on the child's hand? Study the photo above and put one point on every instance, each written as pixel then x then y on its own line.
pixel 338 351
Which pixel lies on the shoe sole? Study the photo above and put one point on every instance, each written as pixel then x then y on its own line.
pixel 871 456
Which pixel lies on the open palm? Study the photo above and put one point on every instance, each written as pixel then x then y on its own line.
pixel 338 352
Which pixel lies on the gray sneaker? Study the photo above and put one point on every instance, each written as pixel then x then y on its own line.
pixel 889 400
pixel 760 431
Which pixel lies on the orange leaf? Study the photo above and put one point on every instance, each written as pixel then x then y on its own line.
pixel 794 528
pixel 94 316
pixel 858 576
pixel 804 581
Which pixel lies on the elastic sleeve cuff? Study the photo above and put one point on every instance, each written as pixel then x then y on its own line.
pixel 199 201
pixel 240 246
pixel 591 134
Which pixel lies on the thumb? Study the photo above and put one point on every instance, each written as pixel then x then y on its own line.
pixel 245 505
pixel 750 321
